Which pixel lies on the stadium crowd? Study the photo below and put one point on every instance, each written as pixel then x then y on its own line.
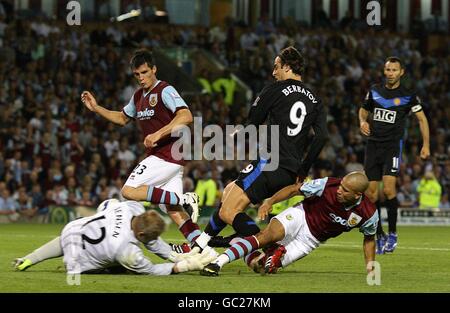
pixel 53 151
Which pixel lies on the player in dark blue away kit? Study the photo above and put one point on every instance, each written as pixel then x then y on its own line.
pixel 390 104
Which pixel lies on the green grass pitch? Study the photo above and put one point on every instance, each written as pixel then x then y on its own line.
pixel 420 264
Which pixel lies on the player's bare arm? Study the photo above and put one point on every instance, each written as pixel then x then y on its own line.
pixel 285 193
pixel 369 251
pixel 363 124
pixel 182 117
pixel 113 116
pixel 425 131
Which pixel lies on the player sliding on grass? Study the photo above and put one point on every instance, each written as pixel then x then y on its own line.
pixel 108 242
pixel 159 109
pixel 331 206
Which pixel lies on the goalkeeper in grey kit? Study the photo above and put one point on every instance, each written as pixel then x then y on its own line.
pixel 109 242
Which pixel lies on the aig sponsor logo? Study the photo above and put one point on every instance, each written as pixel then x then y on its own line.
pixel 145 114
pixel 383 115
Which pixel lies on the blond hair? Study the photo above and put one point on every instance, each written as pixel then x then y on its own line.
pixel 149 226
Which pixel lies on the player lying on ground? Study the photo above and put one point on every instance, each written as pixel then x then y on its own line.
pixel 110 240
pixel 331 206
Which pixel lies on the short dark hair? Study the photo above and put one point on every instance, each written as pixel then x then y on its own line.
pixel 292 57
pixel 141 57
pixel 394 59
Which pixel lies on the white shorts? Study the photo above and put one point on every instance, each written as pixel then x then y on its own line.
pixel 298 240
pixel 156 172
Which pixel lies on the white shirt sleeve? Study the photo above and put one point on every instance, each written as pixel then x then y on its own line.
pixel 159 247
pixel 134 260
pixel 172 99
pixel 369 228
pixel 130 108
pixel 136 208
pixel 314 187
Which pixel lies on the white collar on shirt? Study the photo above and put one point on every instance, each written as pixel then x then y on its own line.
pixel 354 205
pixel 150 90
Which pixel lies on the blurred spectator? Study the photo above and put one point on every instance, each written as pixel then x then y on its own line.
pixel 429 191
pixel 353 164
pixel 48 65
pixel 25 205
pixel 206 187
pixel 406 194
pixel 8 206
pixel 444 204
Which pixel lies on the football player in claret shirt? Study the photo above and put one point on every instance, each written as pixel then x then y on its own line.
pixel 331 206
pixel 390 104
pixel 159 109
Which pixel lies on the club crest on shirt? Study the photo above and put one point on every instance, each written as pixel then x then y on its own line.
pixel 153 99
pixel 289 217
pixel 397 101
pixel 353 220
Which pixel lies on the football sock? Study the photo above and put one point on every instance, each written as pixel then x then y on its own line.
pixel 244 225
pixel 190 230
pixel 238 250
pixel 251 256
pixel 380 231
pixel 392 207
pixel 50 250
pixel 158 195
pixel 215 224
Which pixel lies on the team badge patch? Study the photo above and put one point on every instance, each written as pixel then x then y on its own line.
pixel 289 217
pixel 353 220
pixel 153 99
pixel 397 101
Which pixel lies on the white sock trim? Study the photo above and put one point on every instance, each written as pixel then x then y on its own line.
pixel 203 240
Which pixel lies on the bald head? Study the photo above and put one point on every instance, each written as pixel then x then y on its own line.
pixel 357 181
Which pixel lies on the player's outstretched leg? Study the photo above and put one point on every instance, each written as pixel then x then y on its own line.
pixel 392 238
pixel 214 227
pixel 238 250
